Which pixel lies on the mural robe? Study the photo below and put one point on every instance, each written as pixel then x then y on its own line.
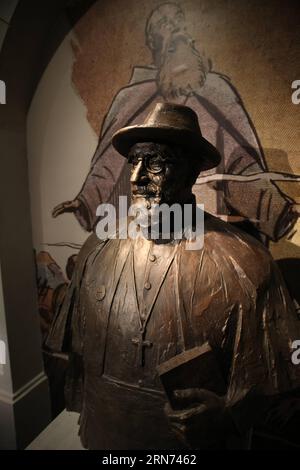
pixel 224 122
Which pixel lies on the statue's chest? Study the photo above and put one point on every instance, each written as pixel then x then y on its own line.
pixel 135 317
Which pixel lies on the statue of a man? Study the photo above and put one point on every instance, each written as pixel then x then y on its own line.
pixel 135 303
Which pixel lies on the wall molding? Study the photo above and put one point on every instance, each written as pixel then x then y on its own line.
pixel 13 398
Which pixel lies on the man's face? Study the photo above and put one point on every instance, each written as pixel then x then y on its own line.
pixel 167 21
pixel 159 174
pixel 182 70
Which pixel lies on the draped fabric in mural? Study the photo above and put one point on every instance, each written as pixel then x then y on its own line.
pixel 232 63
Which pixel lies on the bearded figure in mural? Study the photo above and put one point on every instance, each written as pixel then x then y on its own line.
pixel 182 75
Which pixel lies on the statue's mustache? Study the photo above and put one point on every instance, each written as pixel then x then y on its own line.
pixel 149 189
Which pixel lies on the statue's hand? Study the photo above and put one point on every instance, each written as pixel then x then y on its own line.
pixel 67 206
pixel 199 417
pixel 282 411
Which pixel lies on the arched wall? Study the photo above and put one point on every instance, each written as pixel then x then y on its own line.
pixel 29 38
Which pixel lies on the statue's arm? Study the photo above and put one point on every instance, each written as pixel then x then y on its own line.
pixel 66 333
pixel 65 330
pixel 254 339
pixel 263 376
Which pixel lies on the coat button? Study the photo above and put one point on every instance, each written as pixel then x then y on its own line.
pixel 152 258
pixel 100 292
pixel 147 285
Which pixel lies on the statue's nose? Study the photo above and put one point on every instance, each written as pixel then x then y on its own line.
pixel 138 173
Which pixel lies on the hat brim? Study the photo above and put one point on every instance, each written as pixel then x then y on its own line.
pixel 208 155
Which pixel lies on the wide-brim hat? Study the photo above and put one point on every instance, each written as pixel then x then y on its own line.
pixel 170 123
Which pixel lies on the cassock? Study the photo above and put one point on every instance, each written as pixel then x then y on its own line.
pixel 133 304
pixel 224 122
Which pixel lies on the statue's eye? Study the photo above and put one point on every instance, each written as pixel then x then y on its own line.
pixel 155 165
pixel 134 160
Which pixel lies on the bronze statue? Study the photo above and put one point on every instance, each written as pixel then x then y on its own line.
pixel 134 304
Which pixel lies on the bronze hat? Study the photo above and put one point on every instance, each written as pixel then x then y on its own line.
pixel 169 123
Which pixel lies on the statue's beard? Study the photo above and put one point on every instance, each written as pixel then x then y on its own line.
pixel 152 195
pixel 182 69
pixel 146 204
pixel 147 200
pixel 148 194
pixel 143 208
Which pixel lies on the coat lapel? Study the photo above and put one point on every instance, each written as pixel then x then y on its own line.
pixel 107 272
pixel 156 280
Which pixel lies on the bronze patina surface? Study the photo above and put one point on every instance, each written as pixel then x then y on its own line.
pixel 134 304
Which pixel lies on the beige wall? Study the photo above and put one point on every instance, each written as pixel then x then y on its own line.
pixel 24 394
pixel 61 143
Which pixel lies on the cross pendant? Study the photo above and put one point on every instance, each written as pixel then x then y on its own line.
pixel 141 344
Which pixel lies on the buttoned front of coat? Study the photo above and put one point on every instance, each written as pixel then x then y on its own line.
pixel 229 293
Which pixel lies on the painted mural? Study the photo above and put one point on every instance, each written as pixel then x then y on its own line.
pixel 180 73
pixel 124 59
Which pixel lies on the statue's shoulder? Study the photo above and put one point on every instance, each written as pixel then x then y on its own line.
pixel 231 246
pixel 92 244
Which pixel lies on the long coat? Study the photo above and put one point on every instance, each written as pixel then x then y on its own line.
pixel 230 294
